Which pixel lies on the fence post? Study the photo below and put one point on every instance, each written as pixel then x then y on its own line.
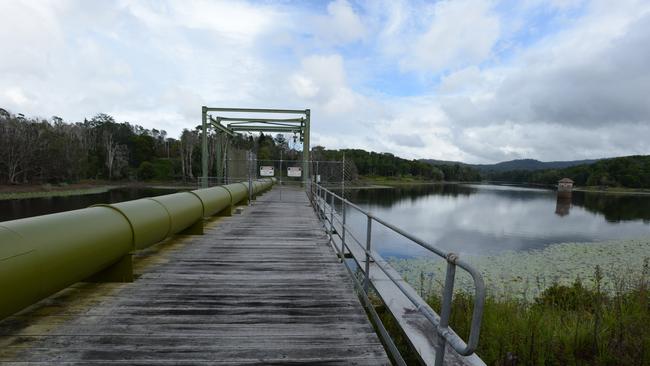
pixel 366 280
pixel 445 310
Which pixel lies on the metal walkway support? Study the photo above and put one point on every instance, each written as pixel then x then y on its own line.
pixel 255 123
pixel 258 288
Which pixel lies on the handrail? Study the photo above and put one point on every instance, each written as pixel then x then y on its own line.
pixel 319 195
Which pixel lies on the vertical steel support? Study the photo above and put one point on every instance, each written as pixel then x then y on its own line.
pixel 220 138
pixel 204 147
pixel 250 178
pixel 445 311
pixel 305 147
pixel 366 280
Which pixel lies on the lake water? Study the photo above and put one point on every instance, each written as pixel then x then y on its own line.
pixel 20 208
pixel 489 219
pixel 463 218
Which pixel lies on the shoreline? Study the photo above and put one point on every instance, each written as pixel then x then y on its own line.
pixel 78 189
pixel 57 192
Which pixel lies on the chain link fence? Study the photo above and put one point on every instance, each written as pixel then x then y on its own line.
pixel 244 166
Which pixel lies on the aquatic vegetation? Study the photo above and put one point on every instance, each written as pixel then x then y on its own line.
pixel 524 275
pixel 600 317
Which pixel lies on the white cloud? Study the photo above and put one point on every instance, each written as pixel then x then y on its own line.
pixel 461 32
pixel 340 25
pixel 322 79
pixel 17 96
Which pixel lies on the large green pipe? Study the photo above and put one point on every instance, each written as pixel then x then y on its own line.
pixel 44 254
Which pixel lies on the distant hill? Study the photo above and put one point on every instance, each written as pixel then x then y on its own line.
pixel 442 162
pixel 518 164
pixel 530 164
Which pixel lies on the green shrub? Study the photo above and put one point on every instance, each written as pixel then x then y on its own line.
pixel 164 169
pixel 146 171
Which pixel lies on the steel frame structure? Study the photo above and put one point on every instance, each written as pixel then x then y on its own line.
pixel 232 125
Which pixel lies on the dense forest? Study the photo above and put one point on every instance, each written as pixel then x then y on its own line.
pixel 628 171
pixel 373 164
pixel 34 150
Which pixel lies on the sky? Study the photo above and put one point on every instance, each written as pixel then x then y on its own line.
pixel 468 80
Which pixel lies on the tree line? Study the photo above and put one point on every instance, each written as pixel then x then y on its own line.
pixel 370 163
pixel 627 171
pixel 38 150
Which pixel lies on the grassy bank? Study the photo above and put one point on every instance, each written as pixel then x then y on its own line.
pixel 613 190
pixel 47 191
pixel 564 325
pixel 368 182
pixel 10 192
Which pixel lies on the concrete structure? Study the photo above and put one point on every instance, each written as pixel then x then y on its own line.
pixel 564 187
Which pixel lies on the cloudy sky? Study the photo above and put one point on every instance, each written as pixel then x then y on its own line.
pixel 471 80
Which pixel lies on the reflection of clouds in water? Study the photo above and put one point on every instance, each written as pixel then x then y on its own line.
pixel 491 220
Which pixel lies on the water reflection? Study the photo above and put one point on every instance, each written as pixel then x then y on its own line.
pixel 20 208
pixel 482 219
pixel 563 206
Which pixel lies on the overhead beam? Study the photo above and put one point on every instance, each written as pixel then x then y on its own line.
pixel 244 119
pixel 220 127
pixel 256 124
pixel 266 129
pixel 256 110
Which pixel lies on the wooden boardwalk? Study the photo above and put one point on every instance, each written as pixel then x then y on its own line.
pixel 261 288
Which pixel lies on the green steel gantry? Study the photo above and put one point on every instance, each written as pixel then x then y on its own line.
pixel 232 125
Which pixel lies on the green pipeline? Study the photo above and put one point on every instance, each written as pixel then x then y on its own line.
pixel 42 255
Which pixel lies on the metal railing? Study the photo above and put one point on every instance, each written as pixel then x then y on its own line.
pixel 327 213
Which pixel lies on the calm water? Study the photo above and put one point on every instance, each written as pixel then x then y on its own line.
pixel 487 219
pixel 16 209
pixel 468 219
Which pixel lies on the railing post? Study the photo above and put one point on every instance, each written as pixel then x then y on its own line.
pixel 318 193
pixel 343 231
pixel 445 311
pixel 366 280
pixel 332 217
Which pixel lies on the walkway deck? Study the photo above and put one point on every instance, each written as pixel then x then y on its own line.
pixel 262 287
